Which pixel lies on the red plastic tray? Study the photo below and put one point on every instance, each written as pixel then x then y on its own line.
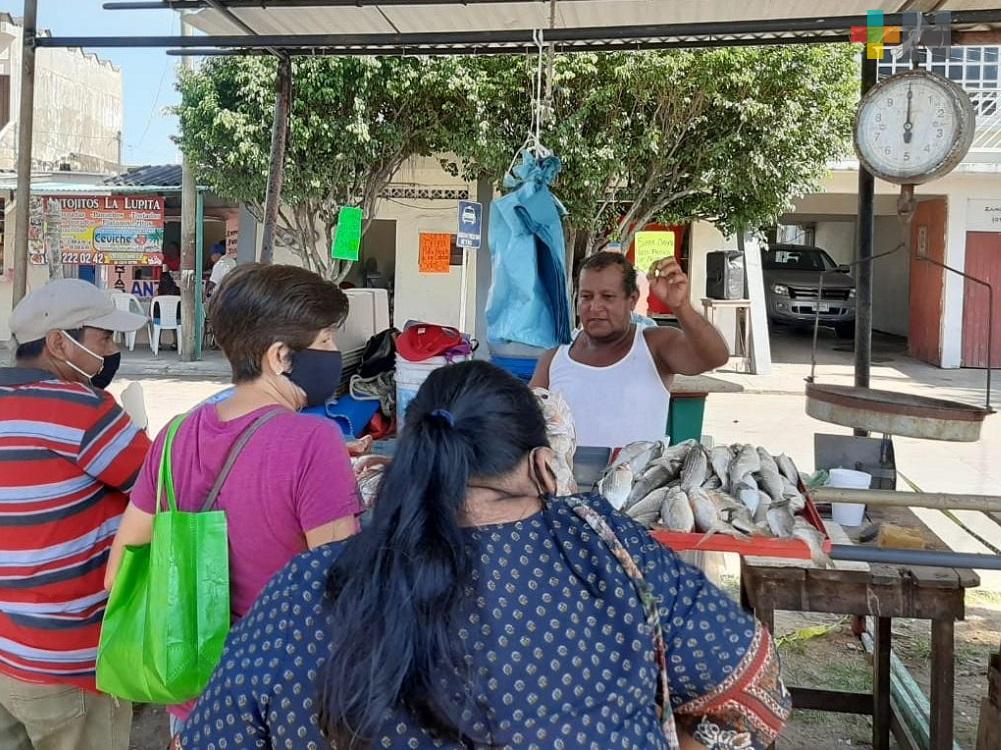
pixel 795 549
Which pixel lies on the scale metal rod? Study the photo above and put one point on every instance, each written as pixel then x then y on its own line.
pixel 937 500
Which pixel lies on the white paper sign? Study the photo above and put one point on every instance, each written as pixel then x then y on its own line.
pixel 983 215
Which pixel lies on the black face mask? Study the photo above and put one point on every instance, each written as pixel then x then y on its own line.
pixel 317 372
pixel 103 379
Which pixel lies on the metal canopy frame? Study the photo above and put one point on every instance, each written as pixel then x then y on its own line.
pixel 810 30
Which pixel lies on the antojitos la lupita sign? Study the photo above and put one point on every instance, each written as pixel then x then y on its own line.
pixel 105 230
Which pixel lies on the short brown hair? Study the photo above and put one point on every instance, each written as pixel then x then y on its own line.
pixel 259 305
pixel 607 259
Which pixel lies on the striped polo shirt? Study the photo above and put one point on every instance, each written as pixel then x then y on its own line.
pixel 68 457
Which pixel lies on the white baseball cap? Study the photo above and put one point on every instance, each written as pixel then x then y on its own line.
pixel 66 305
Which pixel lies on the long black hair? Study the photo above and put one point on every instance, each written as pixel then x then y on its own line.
pixel 398 586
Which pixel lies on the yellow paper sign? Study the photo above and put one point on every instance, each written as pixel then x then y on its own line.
pixel 435 253
pixel 651 247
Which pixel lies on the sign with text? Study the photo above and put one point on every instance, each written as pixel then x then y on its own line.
pixel 651 247
pixel 470 232
pixel 435 254
pixel 983 215
pixel 105 230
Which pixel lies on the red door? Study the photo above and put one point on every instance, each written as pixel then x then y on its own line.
pixel 983 261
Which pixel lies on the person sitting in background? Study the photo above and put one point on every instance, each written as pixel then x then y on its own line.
pixel 171 265
pixel 223 266
pixel 293 488
pixel 70 457
pixel 476 610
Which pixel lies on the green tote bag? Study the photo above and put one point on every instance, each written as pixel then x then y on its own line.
pixel 168 613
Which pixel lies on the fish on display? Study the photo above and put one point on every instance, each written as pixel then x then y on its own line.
pixel 720 458
pixel 654 478
pixel 637 455
pixel 770 481
pixel 712 512
pixel 744 465
pixel 787 468
pixel 767 462
pixel 647 510
pixel 713 482
pixel 813 539
pixel 695 469
pixel 676 511
pixel 780 519
pixel 616 485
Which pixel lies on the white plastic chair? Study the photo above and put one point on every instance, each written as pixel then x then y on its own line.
pixel 126 301
pixel 165 315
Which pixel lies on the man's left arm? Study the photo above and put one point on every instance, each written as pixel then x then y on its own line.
pixel 114 448
pixel 698 347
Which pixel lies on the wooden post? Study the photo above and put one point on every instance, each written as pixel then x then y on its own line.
pixel 279 138
pixel 864 274
pixel 189 324
pixel 22 205
pixel 199 295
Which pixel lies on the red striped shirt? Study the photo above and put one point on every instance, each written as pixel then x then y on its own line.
pixel 68 457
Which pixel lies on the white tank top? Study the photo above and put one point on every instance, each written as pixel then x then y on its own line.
pixel 615 405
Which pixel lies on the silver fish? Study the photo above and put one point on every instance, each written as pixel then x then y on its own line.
pixel 695 469
pixel 745 463
pixel 680 451
pixel 770 481
pixel 673 466
pixel 676 512
pixel 788 469
pixel 780 519
pixel 713 482
pixel 720 458
pixel 813 539
pixel 711 509
pixel 761 512
pixel 647 510
pixel 638 455
pixel 653 479
pixel 616 485
pixel 767 462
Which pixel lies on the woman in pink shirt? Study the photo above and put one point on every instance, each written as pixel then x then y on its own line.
pixel 292 488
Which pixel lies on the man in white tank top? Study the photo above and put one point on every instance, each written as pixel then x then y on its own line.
pixel 615 376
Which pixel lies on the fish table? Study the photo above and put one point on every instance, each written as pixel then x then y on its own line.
pixel 883 592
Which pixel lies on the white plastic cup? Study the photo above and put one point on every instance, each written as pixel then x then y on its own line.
pixel 849 514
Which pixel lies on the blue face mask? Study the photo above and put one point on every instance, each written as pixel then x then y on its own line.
pixel 317 372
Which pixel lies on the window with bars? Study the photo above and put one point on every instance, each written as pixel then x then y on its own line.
pixel 974 68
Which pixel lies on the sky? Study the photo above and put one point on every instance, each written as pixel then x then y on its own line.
pixel 148 74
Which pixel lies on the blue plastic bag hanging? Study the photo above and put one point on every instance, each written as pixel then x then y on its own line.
pixel 529 301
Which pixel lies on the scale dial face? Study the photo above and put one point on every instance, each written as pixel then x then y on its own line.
pixel 913 127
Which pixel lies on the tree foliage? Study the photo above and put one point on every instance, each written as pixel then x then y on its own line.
pixel 354 122
pixel 729 135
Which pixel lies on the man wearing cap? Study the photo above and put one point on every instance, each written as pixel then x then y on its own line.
pixel 68 457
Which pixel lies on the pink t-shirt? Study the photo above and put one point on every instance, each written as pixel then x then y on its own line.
pixel 293 476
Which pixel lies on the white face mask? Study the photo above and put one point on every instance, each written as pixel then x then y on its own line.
pixel 98 357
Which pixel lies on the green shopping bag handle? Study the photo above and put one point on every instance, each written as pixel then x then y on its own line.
pixel 165 481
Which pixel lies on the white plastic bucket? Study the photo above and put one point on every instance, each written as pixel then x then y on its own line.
pixel 410 376
pixel 849 514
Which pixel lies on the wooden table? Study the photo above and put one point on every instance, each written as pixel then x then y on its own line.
pixel 883 592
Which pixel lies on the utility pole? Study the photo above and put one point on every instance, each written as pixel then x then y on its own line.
pixel 864 275
pixel 279 137
pixel 26 116
pixel 189 323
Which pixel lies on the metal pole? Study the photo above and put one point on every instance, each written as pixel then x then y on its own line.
pixel 863 283
pixel 189 324
pixel 889 498
pixel 22 204
pixel 199 275
pixel 484 270
pixel 279 138
pixel 929 557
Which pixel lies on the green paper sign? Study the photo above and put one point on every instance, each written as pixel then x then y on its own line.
pixel 347 236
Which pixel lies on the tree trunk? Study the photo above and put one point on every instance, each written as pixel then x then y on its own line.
pixel 279 138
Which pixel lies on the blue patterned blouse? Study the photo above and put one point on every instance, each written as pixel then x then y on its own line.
pixel 558 646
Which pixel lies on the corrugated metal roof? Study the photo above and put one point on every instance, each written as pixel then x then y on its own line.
pixel 163 175
pixel 429 17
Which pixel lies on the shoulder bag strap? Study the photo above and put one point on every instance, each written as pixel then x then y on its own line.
pixel 165 477
pixel 648 600
pixel 234 455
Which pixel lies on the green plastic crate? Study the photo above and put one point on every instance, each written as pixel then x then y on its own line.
pixel 685 416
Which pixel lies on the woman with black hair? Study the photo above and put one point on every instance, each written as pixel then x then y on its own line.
pixel 477 611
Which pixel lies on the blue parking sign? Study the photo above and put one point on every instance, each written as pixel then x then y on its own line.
pixel 470 232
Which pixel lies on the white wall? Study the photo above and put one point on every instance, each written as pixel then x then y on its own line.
pixel 838 239
pixel 706 238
